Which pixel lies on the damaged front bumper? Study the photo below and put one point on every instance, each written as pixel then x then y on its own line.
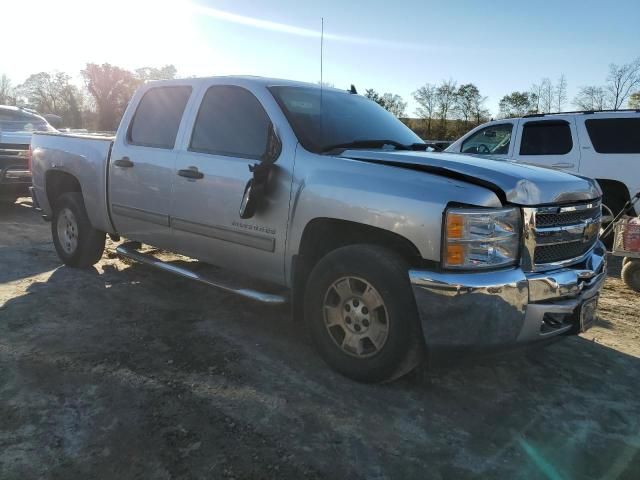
pixel 508 307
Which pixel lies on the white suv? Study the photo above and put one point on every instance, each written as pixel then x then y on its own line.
pixel 600 145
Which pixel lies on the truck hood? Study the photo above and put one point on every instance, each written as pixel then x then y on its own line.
pixel 514 182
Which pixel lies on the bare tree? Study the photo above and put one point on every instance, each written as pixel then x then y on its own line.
pixel 111 88
pixel 445 100
pixel 622 81
pixel 634 100
pixel 389 101
pixel 394 104
pixel 7 93
pixel 466 100
pixel 590 98
pixel 480 112
pixel 425 97
pixel 561 92
pixel 535 94
pixel 546 96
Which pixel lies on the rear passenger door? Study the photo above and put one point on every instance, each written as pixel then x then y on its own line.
pixel 611 149
pixel 549 143
pixel 142 165
pixel 228 135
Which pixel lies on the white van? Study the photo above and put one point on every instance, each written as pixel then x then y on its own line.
pixel 601 145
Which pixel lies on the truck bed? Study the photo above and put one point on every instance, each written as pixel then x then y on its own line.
pixel 86 157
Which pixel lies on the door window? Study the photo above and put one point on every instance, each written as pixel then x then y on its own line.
pixel 614 135
pixel 231 122
pixel 157 118
pixel 552 137
pixel 492 140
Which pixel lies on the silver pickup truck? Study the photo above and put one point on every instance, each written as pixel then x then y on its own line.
pixel 387 251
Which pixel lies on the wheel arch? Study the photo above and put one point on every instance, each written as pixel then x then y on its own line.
pixel 58 182
pixel 613 189
pixel 323 235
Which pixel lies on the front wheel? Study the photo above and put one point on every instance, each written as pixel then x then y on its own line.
pixel 362 314
pixel 78 244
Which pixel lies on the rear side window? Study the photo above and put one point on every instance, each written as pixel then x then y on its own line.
pixel 156 121
pixel 614 135
pixel 230 122
pixel 546 138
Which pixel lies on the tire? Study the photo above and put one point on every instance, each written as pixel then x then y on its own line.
pixel 77 243
pixel 363 291
pixel 615 203
pixel 625 260
pixel 631 274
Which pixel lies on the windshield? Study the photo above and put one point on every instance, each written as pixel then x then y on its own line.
pixel 21 121
pixel 344 118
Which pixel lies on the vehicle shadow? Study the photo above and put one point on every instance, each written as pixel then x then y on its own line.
pixel 155 351
pixel 25 242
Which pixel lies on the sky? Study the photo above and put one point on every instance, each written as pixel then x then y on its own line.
pixel 501 46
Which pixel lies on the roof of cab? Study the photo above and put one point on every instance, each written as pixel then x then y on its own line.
pixel 262 81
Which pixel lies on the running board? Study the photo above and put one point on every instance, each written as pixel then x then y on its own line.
pixel 129 250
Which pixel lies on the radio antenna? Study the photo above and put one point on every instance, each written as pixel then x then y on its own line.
pixel 321 77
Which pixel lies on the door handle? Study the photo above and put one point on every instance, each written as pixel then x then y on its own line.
pixel 191 172
pixel 563 165
pixel 123 162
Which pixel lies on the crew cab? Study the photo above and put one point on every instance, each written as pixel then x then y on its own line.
pixel 604 145
pixel 16 127
pixel 387 251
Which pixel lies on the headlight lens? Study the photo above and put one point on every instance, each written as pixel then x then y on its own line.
pixel 481 238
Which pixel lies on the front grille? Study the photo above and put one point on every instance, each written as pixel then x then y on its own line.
pixel 560 252
pixel 566 218
pixel 560 235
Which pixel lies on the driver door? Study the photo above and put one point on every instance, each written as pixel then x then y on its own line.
pixel 229 133
pixel 494 140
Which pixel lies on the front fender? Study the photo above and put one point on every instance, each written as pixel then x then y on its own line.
pixel 404 202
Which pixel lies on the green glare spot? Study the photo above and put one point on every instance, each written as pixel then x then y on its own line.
pixel 545 467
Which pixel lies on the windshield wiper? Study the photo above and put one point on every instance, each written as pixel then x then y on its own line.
pixel 423 146
pixel 365 144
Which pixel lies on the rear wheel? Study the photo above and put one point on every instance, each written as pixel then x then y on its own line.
pixel 78 244
pixel 362 313
pixel 631 274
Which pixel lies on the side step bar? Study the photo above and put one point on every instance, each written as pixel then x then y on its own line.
pixel 129 250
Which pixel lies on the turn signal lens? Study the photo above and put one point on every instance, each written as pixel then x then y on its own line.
pixel 455 226
pixel 455 255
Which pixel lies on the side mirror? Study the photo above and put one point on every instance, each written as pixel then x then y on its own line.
pixel 255 189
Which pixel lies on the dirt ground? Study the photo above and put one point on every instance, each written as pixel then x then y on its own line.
pixel 124 372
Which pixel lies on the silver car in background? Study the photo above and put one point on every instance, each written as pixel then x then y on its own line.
pixel 16 128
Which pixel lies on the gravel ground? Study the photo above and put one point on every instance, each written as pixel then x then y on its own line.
pixel 124 372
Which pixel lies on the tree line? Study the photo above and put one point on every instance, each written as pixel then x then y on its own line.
pixel 444 111
pixel 97 105
pixel 621 88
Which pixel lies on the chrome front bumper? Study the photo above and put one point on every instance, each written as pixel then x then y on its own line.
pixel 507 307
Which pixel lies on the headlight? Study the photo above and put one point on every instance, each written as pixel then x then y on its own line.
pixel 481 238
